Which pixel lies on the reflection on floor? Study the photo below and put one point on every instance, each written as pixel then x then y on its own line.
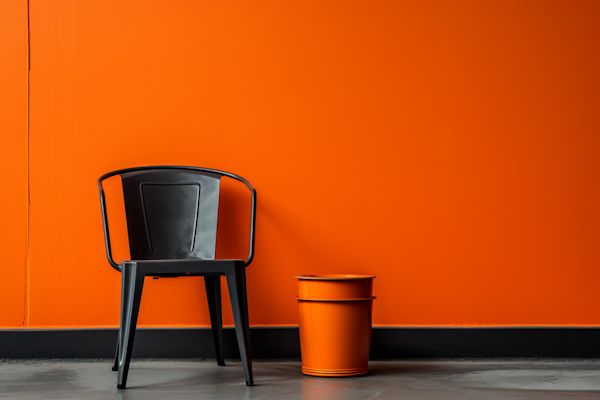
pixel 93 379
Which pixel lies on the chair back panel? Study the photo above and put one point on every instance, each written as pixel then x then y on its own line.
pixel 171 214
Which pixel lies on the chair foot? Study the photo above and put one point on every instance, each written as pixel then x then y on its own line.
pixel 250 383
pixel 120 386
pixel 115 368
pixel 221 363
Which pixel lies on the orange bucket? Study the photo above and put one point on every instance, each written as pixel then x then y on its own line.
pixel 335 323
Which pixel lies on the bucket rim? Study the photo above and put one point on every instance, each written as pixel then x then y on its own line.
pixel 334 300
pixel 334 277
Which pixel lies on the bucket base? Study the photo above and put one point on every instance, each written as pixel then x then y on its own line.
pixel 335 372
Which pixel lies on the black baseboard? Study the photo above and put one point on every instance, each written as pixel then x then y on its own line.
pixel 284 343
pixel 524 342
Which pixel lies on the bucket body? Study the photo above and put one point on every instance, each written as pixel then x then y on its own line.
pixel 335 324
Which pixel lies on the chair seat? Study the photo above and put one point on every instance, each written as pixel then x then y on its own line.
pixel 183 267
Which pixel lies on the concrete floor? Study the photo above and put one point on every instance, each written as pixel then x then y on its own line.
pixel 282 380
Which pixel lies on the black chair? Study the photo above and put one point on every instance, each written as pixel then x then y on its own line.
pixel 172 216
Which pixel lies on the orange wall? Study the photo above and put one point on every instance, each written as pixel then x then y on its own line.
pixel 13 162
pixel 451 148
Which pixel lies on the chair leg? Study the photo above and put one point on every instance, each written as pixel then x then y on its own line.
pixel 133 283
pixel 244 306
pixel 236 284
pixel 115 366
pixel 213 295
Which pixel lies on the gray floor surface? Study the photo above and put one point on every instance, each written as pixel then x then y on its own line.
pixel 34 379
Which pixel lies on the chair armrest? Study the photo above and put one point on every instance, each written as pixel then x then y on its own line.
pixel 105 223
pixel 252 215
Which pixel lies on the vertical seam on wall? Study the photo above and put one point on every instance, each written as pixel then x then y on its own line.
pixel 26 302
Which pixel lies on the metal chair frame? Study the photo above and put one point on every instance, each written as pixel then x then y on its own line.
pixel 173 260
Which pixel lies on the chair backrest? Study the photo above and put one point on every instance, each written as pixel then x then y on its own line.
pixel 172 212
